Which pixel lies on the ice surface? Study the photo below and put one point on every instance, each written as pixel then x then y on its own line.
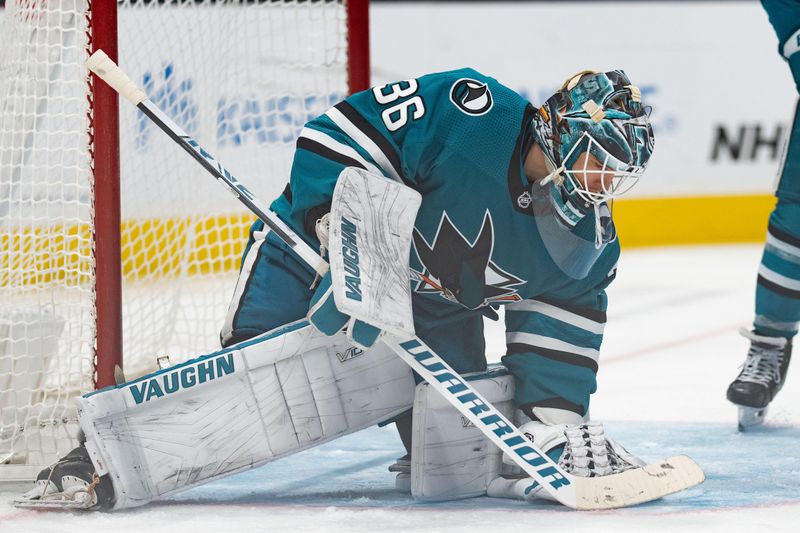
pixel 670 350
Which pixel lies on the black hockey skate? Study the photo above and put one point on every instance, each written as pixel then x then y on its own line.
pixel 762 376
pixel 71 483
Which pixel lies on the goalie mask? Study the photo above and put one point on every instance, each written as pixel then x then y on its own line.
pixel 596 114
pixel 600 114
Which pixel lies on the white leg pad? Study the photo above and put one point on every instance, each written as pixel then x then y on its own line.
pixel 450 458
pixel 282 392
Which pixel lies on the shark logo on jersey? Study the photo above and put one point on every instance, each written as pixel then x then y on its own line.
pixel 463 271
pixel 471 97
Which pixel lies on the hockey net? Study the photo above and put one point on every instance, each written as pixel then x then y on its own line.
pixel 240 76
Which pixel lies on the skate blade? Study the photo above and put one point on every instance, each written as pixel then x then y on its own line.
pixel 402 483
pixel 751 417
pixel 53 504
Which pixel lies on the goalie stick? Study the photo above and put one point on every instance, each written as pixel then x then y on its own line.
pixel 618 490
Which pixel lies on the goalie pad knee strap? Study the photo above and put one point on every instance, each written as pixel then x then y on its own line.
pixel 285 391
pixel 451 458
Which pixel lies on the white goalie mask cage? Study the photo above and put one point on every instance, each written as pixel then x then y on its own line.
pixel 595 185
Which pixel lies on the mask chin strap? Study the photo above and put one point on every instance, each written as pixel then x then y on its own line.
pixel 598 227
pixel 602 225
pixel 557 175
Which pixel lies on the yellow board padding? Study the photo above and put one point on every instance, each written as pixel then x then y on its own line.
pixel 59 255
pixel 174 247
pixel 692 220
pixel 188 246
pixel 39 256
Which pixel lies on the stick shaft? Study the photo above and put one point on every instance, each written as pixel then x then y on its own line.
pixel 254 204
pixel 108 71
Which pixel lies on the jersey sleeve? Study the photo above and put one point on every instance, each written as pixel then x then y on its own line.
pixel 402 130
pixel 553 347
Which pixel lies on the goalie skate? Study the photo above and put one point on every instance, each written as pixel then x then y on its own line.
pixel 70 484
pixel 402 466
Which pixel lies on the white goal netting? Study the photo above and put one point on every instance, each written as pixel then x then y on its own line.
pixel 242 78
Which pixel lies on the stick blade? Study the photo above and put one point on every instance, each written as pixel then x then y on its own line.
pixel 52 505
pixel 639 485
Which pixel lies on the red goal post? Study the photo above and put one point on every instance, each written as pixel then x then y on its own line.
pixel 100 262
pixel 103 36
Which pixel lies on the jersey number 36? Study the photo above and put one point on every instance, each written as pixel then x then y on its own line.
pixel 397 115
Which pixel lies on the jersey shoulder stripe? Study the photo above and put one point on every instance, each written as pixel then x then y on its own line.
pixel 324 145
pixel 351 122
pixel 327 153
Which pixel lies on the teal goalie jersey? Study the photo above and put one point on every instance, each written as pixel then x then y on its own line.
pixel 460 138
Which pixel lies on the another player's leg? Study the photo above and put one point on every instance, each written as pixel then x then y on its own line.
pixel 777 298
pixel 778 287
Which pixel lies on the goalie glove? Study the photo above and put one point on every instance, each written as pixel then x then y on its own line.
pixel 326 317
pixel 580 448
